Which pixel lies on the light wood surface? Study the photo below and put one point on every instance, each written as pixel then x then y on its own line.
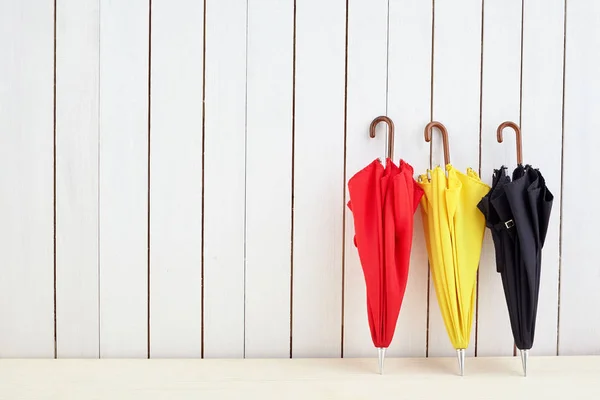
pixel 422 378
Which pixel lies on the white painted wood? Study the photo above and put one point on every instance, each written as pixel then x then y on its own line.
pixel 102 169
pixel 269 178
pixel 176 179
pixel 123 207
pixel 543 44
pixel 319 178
pixel 409 106
pixel 26 173
pixel 580 277
pixel 77 99
pixel 224 178
pixel 367 71
pixel 501 88
pixel 456 91
pixel 491 378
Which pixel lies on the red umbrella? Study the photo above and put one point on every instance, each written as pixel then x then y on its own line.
pixel 383 201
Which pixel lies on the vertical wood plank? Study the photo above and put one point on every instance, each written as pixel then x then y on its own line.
pixel 26 173
pixel 456 91
pixel 269 177
pixel 409 106
pixel 123 208
pixel 224 178
pixel 579 296
pixel 318 178
pixel 501 87
pixel 580 277
pixel 543 44
pixel 77 85
pixel 176 178
pixel 366 99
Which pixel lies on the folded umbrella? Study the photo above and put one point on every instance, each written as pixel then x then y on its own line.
pixel 517 212
pixel 454 231
pixel 383 201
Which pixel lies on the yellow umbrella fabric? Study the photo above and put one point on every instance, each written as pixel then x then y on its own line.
pixel 454 229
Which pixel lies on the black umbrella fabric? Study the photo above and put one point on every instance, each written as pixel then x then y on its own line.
pixel 517 212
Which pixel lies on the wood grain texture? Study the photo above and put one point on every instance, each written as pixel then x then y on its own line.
pixel 77 100
pixel 580 276
pixel 176 178
pixel 26 173
pixel 123 208
pixel 269 177
pixel 409 103
pixel 318 178
pixel 501 88
pixel 456 91
pixel 224 178
pixel 366 100
pixel 493 378
pixel 543 44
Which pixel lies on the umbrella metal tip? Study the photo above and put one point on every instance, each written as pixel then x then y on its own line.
pixel 460 353
pixel 381 358
pixel 524 358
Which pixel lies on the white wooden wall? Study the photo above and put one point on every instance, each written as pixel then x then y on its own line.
pixel 173 172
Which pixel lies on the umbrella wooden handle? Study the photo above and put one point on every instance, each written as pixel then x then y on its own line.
pixel 388 121
pixel 444 132
pixel 515 127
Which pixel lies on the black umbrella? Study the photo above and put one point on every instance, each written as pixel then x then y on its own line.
pixel 517 212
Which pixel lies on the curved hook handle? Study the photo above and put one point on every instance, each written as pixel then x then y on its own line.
pixel 388 121
pixel 515 127
pixel 444 132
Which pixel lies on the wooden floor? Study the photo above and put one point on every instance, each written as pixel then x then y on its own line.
pixel 434 378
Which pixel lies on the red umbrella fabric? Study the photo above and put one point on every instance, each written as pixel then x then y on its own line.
pixel 383 202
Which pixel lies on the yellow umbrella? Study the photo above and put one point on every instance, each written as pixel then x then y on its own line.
pixel 454 229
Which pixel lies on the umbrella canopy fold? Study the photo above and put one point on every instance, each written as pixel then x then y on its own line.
pixel 517 212
pixel 383 201
pixel 454 230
